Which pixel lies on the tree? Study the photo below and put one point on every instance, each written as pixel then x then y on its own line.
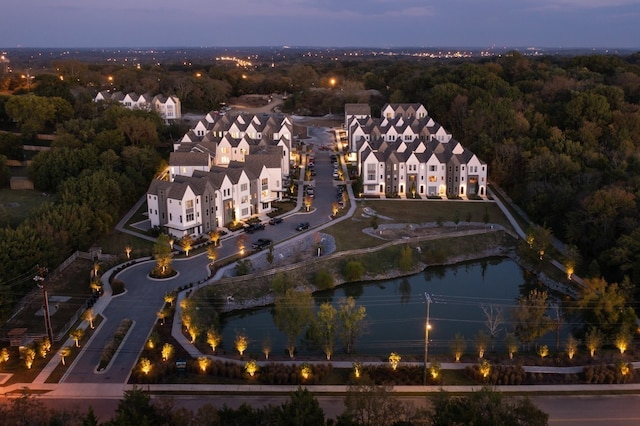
pixel 167 351
pixel 531 321
pixel 292 313
pixel 64 352
pixel 604 306
pixel 405 261
pixel 162 254
pixel 281 283
pixel 511 342
pixel 368 404
pixel 26 409
pixel 77 334
pixel 493 320
pixel 241 341
pixel 325 328
pixel 163 314
pixel 572 346
pixel 301 409
pixel 484 407
pixel 352 321
pixel 323 280
pixel 89 315
pixel 186 243
pixel 353 270
pixel 458 346
pixel 593 340
pixel 482 341
pixel 215 237
pixel 136 409
pixel 139 130
pixel 214 338
pixel 32 113
pixel 170 298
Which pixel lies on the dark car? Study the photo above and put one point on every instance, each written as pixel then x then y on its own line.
pixel 275 220
pixel 302 226
pixel 261 243
pixel 253 228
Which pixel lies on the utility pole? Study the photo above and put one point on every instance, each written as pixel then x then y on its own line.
pixel 427 326
pixel 40 280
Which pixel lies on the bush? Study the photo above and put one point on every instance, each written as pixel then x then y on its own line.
pixel 323 280
pixel 117 286
pixel 353 270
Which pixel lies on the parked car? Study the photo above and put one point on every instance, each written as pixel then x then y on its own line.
pixel 302 226
pixel 261 243
pixel 253 228
pixel 275 220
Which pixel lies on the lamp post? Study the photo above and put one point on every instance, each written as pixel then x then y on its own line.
pixel 427 326
pixel 39 279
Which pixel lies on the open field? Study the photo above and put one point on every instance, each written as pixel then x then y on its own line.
pixel 17 204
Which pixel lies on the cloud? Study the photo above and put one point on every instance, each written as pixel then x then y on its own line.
pixel 582 4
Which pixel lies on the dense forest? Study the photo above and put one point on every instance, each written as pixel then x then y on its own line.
pixel 561 136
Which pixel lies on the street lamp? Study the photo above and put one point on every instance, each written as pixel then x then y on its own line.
pixel 427 327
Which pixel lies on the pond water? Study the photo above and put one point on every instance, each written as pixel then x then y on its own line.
pixel 396 309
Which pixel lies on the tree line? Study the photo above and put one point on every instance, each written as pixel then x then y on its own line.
pixel 365 404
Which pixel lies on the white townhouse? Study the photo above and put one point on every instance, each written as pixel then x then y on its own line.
pixel 222 171
pixel 185 163
pixel 168 107
pixel 407 153
pixel 355 111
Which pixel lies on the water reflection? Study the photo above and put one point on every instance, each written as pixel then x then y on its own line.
pixel 396 309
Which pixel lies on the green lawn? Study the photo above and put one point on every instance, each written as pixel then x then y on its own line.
pixel 348 233
pixel 115 243
pixel 17 204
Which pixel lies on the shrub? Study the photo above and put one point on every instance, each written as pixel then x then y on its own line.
pixel 323 280
pixel 117 286
pixel 353 270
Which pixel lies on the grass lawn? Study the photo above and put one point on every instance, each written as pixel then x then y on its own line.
pixel 348 233
pixel 115 242
pixel 17 204
pixel 407 211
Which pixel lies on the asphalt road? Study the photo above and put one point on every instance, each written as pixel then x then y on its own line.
pixel 563 410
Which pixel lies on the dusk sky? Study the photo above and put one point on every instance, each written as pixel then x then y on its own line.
pixel 335 23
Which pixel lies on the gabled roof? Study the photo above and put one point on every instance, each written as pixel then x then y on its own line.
pixel 357 109
pixel 191 158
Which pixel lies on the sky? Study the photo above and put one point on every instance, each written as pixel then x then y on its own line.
pixel 321 23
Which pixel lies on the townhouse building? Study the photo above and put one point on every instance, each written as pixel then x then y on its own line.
pixel 225 169
pixel 168 107
pixel 405 152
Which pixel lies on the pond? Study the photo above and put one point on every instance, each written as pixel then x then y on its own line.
pixel 397 310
